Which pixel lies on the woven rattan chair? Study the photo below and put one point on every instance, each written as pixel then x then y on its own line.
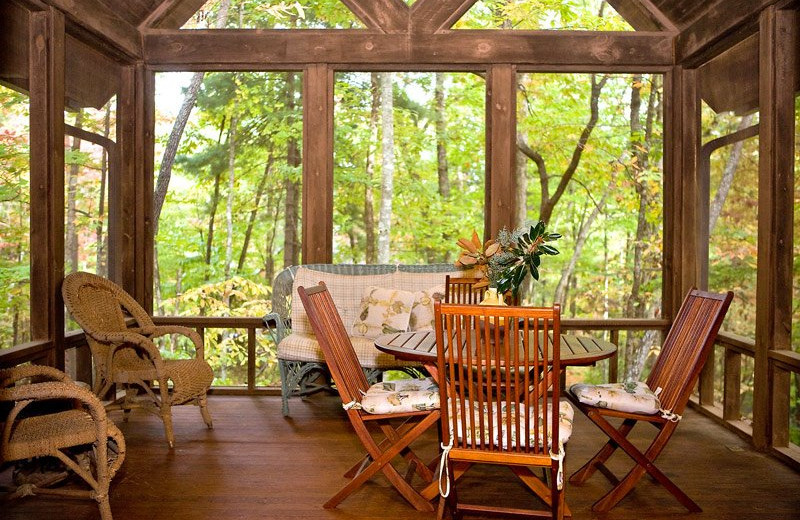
pixel 128 357
pixel 73 417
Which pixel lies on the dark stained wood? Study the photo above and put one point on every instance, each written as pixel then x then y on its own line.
pixel 145 164
pixel 122 188
pixel 430 16
pixel 721 25
pixel 91 77
pixel 778 59
pixel 390 16
pixel 171 14
pixel 100 20
pixel 46 71
pixel 317 165
pixel 683 12
pixel 643 15
pixel 133 11
pixel 261 49
pixel 732 382
pixel 501 148
pixel 14 31
pixel 723 84
pixel 255 465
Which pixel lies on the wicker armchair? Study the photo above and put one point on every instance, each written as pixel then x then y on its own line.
pixel 56 429
pixel 128 357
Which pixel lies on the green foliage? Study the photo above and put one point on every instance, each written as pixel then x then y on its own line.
pixel 521 254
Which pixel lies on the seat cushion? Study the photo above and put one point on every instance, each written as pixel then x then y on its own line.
pixel 304 347
pixel 401 396
pixel 631 397
pixel 566 416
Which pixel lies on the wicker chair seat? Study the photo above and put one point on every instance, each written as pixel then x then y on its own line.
pixel 190 377
pixel 33 436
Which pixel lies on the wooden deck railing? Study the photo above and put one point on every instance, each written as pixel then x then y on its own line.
pixel 728 413
pixel 727 407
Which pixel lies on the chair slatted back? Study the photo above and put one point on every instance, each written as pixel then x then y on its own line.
pixel 462 290
pixel 491 376
pixel 687 346
pixel 334 341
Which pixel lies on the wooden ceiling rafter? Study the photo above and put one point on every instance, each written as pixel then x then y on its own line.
pixel 100 21
pixel 171 14
pixel 721 27
pixel 194 50
pixel 432 16
pixel 388 16
pixel 643 15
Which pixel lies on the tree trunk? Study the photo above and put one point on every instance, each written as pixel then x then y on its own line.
pixel 441 137
pixel 231 189
pixel 213 203
pixel 71 242
pixel 269 243
pixel 291 236
pixel 731 164
pixel 522 189
pixel 253 212
pixel 387 167
pixel 102 268
pixel 189 98
pixel 369 195
pixel 580 241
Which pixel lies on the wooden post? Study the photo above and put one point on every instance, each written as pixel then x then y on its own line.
pixel 501 148
pixel 46 69
pixel 317 239
pixel 131 190
pixel 777 55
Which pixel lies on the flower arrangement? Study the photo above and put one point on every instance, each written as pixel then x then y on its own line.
pixel 505 262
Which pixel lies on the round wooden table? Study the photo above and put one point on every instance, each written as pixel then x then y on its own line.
pixel 420 346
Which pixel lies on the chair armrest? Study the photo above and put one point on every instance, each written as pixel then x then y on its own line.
pixel 9 376
pixel 164 330
pixel 128 339
pixel 282 326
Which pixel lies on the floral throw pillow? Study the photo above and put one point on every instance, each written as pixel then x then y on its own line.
pixel 382 311
pixel 631 396
pixel 422 310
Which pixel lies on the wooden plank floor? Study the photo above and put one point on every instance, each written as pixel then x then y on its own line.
pixel 257 465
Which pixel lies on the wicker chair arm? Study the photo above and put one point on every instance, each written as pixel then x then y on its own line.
pixel 9 376
pixel 24 395
pixel 127 339
pixel 164 330
pixel 282 326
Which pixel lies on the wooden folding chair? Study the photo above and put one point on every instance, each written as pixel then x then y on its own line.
pixel 675 373
pixel 354 390
pixel 493 363
pixel 462 290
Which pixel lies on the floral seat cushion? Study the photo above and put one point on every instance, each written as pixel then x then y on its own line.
pixel 401 396
pixel 566 415
pixel 631 396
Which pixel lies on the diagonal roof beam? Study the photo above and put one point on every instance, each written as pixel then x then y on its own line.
pixel 171 14
pixel 643 15
pixel 431 16
pixel 99 20
pixel 389 16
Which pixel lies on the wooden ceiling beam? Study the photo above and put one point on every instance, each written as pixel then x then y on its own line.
pixel 722 26
pixel 389 16
pixel 430 16
pixel 171 14
pixel 270 49
pixel 643 15
pixel 94 17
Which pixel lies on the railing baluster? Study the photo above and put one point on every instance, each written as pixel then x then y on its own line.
pixel 732 382
pixel 251 358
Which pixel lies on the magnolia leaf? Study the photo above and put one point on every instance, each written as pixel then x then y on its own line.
pixel 492 249
pixel 535 272
pixel 467 260
pixel 476 241
pixel 466 244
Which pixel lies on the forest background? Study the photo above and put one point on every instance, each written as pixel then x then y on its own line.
pixel 409 170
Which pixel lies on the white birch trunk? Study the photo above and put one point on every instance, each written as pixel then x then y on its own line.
pixel 387 167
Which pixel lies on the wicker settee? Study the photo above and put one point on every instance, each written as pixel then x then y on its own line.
pixel 300 360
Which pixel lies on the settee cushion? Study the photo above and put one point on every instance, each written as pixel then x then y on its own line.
pixel 382 311
pixel 304 347
pixel 422 310
pixel 346 291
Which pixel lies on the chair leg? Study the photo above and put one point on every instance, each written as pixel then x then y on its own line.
pixel 599 459
pixel 284 372
pixel 203 402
